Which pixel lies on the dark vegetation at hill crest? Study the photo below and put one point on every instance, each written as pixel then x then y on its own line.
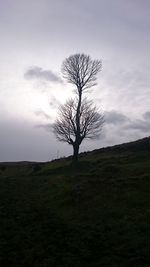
pixel 96 214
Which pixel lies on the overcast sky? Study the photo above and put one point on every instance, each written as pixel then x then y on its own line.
pixel 36 36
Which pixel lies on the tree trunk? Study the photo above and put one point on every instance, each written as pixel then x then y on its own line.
pixel 75 153
pixel 78 117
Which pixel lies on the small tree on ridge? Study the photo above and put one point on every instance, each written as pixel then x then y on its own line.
pixel 79 118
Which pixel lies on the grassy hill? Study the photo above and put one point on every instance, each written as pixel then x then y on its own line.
pixel 97 214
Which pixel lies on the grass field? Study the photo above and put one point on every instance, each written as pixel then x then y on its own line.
pixel 95 214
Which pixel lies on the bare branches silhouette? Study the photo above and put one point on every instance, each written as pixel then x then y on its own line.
pixel 79 118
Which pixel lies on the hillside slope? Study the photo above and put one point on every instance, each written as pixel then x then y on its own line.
pixel 96 214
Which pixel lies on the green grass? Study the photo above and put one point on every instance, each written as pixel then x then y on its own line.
pixel 96 214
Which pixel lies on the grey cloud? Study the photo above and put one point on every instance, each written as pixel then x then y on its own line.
pixel 114 117
pixel 125 88
pixel 45 126
pixel 21 141
pixel 54 103
pixel 120 128
pixel 142 125
pixel 146 115
pixel 39 73
pixel 43 114
pixel 127 78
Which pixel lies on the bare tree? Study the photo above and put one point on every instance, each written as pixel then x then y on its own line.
pixel 79 119
pixel 66 128
pixel 81 71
